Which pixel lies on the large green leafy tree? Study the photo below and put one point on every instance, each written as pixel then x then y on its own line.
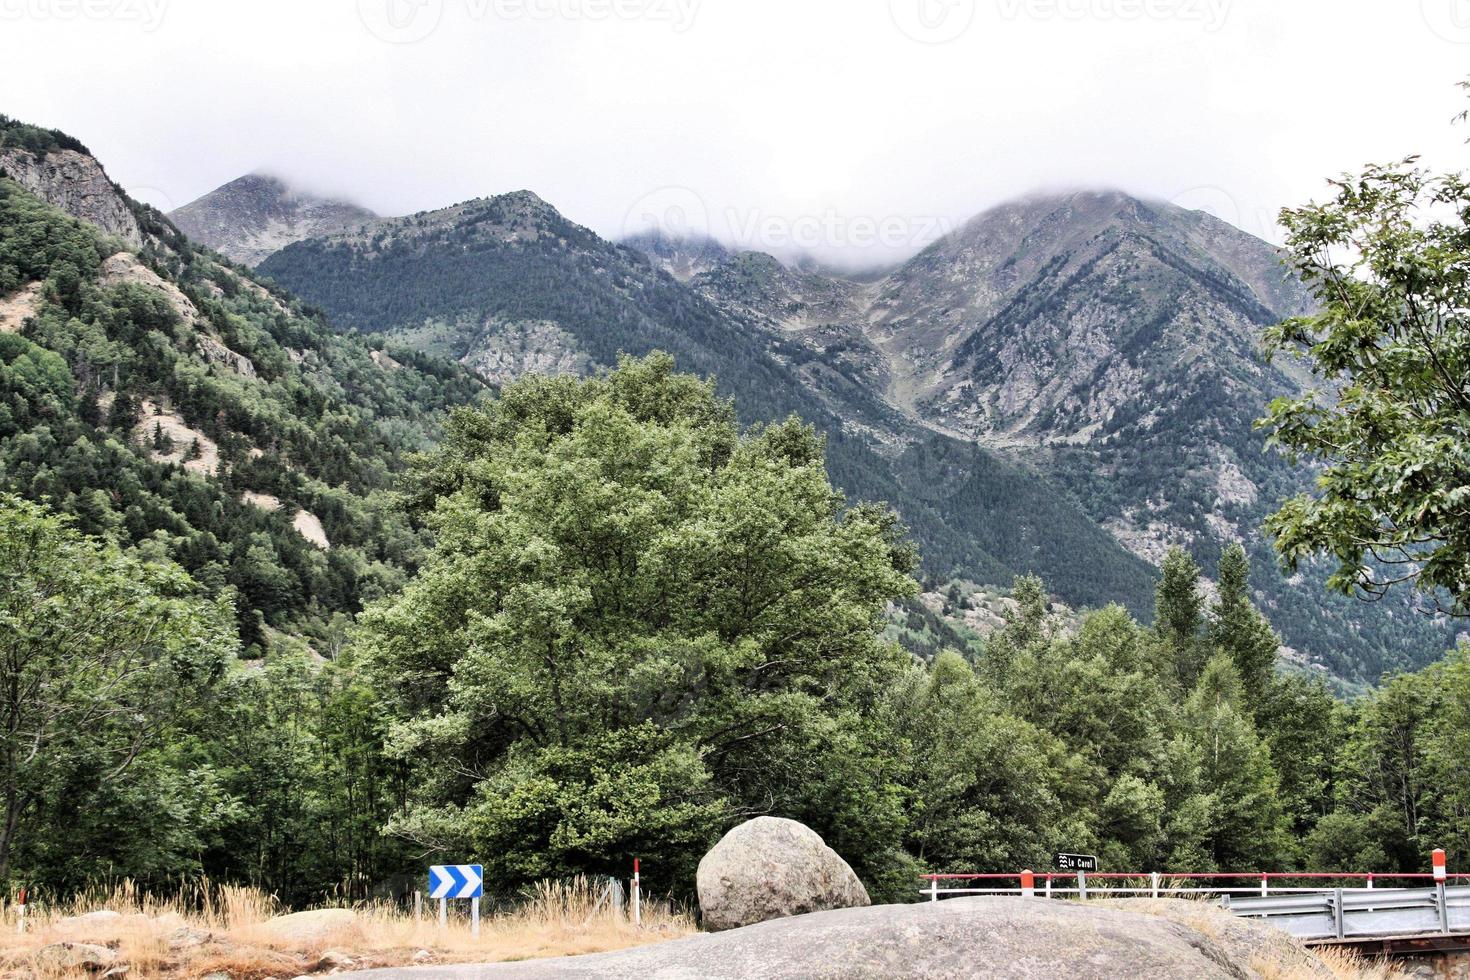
pixel 105 661
pixel 1388 259
pixel 639 624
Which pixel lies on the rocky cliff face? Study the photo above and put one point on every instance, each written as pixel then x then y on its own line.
pixel 1108 343
pixel 253 216
pixel 76 183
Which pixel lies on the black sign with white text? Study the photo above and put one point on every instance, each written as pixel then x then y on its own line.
pixel 1076 862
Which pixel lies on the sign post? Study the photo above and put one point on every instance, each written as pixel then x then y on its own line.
pixel 1438 860
pixel 637 897
pixel 448 881
pixel 1081 864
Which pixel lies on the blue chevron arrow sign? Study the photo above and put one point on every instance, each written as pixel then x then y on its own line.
pixel 456 881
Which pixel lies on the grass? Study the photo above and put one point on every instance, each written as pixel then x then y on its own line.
pixel 203 930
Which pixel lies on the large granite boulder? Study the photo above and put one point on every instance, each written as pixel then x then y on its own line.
pixel 768 868
pixel 989 937
pixel 317 928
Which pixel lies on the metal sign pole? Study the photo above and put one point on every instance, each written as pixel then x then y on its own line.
pixel 1082 885
pixel 443 913
pixel 1438 861
pixel 637 896
pixel 475 917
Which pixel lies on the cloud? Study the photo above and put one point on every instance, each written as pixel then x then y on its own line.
pixel 849 128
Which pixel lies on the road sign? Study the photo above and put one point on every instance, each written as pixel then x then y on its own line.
pixel 1076 862
pixel 456 881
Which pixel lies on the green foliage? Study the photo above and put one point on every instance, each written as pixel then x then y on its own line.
pixel 320 426
pixel 1387 260
pixel 514 259
pixel 105 661
pixel 637 622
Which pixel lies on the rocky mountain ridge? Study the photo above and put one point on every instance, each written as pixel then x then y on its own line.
pixel 1086 350
pixel 254 216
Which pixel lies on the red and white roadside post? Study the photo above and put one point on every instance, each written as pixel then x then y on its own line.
pixel 1028 883
pixel 637 903
pixel 1440 876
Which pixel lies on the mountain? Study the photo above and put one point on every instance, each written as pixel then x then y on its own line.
pixel 507 284
pixel 682 257
pixel 1110 345
pixel 168 400
pixel 1066 384
pixel 255 215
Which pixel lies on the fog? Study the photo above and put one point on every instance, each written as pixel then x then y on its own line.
pixel 854 130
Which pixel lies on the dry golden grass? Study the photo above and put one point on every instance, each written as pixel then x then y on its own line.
pixel 222 930
pixel 1347 964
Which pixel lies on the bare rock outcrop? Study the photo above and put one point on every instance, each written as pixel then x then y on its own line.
pixel 771 867
pixel 1000 938
pixel 318 927
pixel 75 183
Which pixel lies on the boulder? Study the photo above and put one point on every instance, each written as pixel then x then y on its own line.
pixel 985 937
pixel 71 957
pixel 768 868
pixel 317 928
pixel 333 960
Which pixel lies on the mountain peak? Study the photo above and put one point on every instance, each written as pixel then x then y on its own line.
pixel 259 213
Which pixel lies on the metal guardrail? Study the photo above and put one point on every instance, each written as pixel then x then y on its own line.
pixel 1303 910
pixel 1362 913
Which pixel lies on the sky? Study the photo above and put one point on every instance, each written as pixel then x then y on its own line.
pixel 855 130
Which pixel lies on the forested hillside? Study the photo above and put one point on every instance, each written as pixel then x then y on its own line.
pixel 168 401
pixel 1112 346
pixel 508 285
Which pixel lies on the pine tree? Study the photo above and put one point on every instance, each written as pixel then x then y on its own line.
pixel 1240 631
pixel 1177 616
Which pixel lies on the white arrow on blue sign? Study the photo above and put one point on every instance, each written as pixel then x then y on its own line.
pixel 456 881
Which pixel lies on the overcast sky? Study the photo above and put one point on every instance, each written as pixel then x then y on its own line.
pixel 858 128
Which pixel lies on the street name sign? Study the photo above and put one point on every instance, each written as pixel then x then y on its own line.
pixel 1076 862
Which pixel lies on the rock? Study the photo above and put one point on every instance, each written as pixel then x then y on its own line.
pixel 334 960
pixel 423 956
pixel 987 937
pixel 63 957
pixel 768 868
pixel 318 928
pixel 76 183
pixel 117 971
pixel 187 937
pixel 217 975
pixel 1243 939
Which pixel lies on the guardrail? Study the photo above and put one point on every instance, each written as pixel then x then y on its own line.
pixel 1360 913
pixel 1052 884
pixel 1315 905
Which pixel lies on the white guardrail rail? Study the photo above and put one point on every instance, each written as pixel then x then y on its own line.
pixel 1345 913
